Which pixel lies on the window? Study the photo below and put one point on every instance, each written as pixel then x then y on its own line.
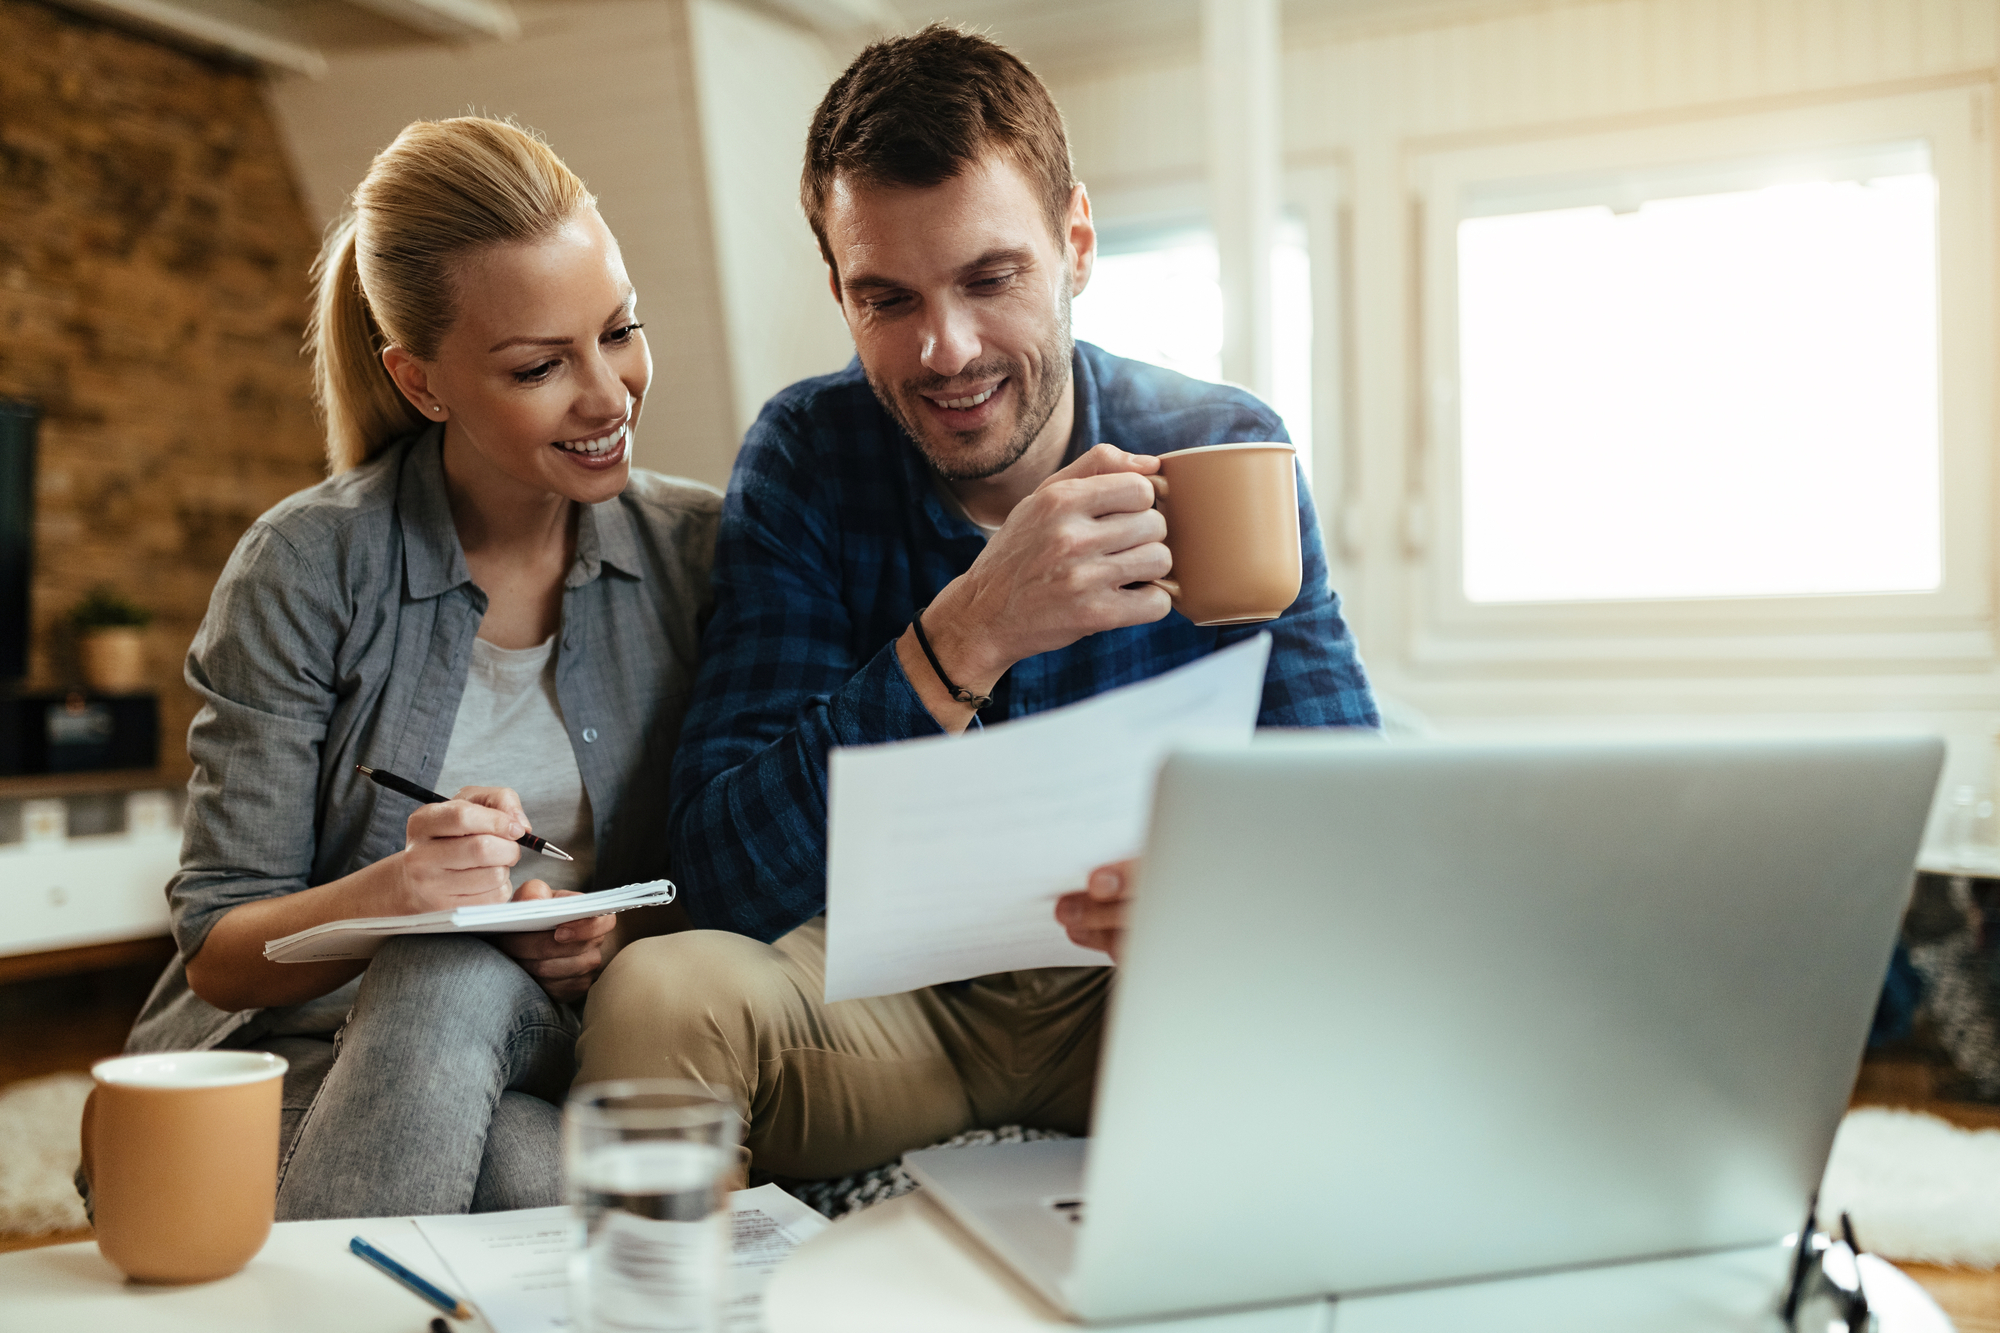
pixel 1672 386
pixel 1155 295
pixel 1708 396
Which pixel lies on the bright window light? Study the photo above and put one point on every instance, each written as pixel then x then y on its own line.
pixel 1715 395
pixel 1159 299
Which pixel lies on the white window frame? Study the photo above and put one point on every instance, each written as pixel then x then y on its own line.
pixel 1316 193
pixel 1949 629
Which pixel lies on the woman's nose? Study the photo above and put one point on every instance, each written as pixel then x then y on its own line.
pixel 603 395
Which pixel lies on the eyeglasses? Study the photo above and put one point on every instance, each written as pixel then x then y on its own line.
pixel 1814 1298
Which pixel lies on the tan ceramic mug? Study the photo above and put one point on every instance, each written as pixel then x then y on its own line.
pixel 181 1154
pixel 1232 514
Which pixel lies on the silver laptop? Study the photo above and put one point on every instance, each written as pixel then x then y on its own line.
pixel 1396 1016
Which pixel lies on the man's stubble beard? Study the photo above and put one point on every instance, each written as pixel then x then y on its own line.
pixel 1035 414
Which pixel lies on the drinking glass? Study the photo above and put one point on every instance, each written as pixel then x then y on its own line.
pixel 648 1164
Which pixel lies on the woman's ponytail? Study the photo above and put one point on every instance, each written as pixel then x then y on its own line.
pixel 384 278
pixel 363 407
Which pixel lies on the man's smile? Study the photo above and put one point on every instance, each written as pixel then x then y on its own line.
pixel 964 410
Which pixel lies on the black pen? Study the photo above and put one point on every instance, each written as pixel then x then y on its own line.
pixel 381 777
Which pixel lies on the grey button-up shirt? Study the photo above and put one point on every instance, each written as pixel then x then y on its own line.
pixel 341 633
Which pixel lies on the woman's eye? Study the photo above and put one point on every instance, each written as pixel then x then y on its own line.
pixel 623 335
pixel 535 374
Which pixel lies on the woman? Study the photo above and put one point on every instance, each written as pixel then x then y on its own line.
pixel 483 598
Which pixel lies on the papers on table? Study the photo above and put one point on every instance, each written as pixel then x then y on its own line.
pixel 361 936
pixel 766 1224
pixel 945 855
pixel 515 1267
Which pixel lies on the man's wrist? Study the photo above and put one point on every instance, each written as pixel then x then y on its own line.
pixel 962 652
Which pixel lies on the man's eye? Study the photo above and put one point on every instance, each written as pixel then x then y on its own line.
pixel 994 283
pixel 535 374
pixel 888 304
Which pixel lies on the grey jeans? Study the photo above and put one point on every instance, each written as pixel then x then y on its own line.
pixel 439 1095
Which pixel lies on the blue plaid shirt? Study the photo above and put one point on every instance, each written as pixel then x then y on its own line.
pixel 832 536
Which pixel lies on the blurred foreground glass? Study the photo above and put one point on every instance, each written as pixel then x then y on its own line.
pixel 1723 395
pixel 648 1163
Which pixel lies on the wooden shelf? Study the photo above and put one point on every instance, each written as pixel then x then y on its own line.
pixel 87 958
pixel 29 786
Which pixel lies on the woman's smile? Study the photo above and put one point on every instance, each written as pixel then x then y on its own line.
pixel 603 450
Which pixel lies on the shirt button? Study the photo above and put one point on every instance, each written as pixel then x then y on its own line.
pixel 589 735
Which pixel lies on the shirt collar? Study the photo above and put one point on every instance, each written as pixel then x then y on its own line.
pixel 604 536
pixel 1084 433
pixel 434 562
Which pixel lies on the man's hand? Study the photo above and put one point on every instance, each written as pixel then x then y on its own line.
pixel 459 853
pixel 563 961
pixel 1058 569
pixel 1095 917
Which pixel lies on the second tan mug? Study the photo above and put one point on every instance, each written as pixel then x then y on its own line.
pixel 1232 514
pixel 180 1151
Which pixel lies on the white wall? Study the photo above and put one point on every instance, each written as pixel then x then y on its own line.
pixel 610 84
pixel 1368 108
pixel 759 80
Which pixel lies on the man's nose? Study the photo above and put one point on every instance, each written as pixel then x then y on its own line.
pixel 951 339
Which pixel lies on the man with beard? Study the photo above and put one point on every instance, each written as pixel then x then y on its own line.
pixel 975 473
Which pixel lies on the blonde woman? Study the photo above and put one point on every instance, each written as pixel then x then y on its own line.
pixel 485 598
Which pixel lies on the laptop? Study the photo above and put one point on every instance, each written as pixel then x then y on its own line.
pixel 1394 1016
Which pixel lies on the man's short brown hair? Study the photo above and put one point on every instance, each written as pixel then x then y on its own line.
pixel 918 110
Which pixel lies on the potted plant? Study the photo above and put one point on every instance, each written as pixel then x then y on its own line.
pixel 108 626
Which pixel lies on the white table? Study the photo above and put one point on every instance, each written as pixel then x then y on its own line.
pixel 904 1267
pixel 900 1267
pixel 303 1281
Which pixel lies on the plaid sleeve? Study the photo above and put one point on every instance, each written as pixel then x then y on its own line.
pixel 1315 678
pixel 778 687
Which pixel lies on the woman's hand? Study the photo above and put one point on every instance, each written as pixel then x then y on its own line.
pixel 1095 917
pixel 459 853
pixel 563 961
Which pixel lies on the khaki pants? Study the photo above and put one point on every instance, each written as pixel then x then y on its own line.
pixel 834 1088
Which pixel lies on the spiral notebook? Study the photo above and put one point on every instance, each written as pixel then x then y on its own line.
pixel 361 936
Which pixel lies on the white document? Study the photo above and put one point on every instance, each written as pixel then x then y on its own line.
pixel 512 1267
pixel 766 1224
pixel 361 936
pixel 945 856
pixel 515 1267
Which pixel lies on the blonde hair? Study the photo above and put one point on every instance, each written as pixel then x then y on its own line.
pixel 384 275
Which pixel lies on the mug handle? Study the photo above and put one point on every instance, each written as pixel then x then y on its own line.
pixel 89 1118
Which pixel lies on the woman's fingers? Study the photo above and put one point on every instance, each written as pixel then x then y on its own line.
pixel 564 968
pixel 589 928
pixel 503 799
pixel 458 819
pixel 552 943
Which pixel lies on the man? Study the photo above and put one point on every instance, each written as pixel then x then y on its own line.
pixel 978 467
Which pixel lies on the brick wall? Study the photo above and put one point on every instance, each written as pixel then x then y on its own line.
pixel 153 256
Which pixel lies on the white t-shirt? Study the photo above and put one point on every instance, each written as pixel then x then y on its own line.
pixel 510 733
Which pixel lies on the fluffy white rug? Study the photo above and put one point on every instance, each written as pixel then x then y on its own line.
pixel 39 1118
pixel 1918 1188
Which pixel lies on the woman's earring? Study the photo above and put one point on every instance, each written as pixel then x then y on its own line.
pixel 436 408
